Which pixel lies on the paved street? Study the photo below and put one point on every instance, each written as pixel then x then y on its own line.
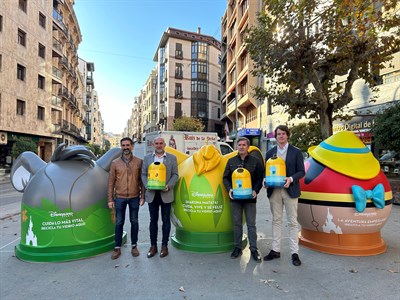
pixel 186 275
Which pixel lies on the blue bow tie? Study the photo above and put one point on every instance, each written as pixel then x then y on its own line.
pixel 377 195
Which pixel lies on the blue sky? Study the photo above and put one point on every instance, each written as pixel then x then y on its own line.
pixel 121 37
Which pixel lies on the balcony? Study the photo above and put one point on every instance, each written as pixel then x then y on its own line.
pixel 59 21
pixel 178 54
pixel 70 129
pixel 63 92
pixel 179 75
pixel 56 128
pixel 64 63
pixel 57 46
pixel 57 73
pixel 178 95
pixel 89 79
pixel 56 101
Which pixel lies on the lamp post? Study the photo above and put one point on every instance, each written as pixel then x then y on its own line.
pixel 236 102
pixel 236 86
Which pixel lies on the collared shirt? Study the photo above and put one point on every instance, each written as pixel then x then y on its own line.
pixel 159 159
pixel 127 160
pixel 282 150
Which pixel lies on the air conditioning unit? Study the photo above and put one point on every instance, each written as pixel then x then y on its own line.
pixel 3 138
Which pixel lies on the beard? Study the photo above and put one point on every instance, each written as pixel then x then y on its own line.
pixel 159 151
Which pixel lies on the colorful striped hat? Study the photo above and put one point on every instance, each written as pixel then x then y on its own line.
pixel 345 153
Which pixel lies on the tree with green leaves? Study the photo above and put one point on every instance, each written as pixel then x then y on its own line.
pixel 305 135
pixel 187 124
pixel 386 128
pixel 107 145
pixel 94 148
pixel 23 144
pixel 301 47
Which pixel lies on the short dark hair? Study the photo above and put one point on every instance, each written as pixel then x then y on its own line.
pixel 243 138
pixel 126 139
pixel 283 128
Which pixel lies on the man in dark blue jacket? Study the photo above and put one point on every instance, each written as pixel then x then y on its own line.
pixel 286 196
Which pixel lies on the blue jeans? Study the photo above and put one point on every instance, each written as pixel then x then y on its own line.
pixel 154 208
pixel 120 211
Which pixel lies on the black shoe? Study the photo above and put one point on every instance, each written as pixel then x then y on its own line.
pixel 256 255
pixel 272 254
pixel 236 253
pixel 296 259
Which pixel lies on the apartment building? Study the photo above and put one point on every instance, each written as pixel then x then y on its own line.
pixel 39 82
pixel 245 116
pixel 188 72
pixel 149 103
pixel 241 112
pixel 114 139
pixel 92 123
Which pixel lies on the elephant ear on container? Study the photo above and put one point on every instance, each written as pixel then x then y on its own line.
pixel 105 161
pixel 25 166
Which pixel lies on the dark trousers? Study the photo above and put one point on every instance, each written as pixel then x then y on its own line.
pixel 250 211
pixel 120 211
pixel 154 208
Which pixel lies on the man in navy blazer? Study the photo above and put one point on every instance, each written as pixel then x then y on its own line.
pixel 286 196
pixel 157 199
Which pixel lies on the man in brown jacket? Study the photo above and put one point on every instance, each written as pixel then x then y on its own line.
pixel 125 188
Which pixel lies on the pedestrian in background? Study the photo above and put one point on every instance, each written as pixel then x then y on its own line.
pixel 160 199
pixel 256 169
pixel 287 196
pixel 125 188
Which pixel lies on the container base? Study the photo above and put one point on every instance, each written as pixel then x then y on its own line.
pixel 204 242
pixel 65 253
pixel 343 244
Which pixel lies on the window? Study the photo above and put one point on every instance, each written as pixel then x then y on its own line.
pixel 178 110
pixel 1 23
pixel 42 51
pixel 21 37
pixel 1 61
pixel 21 72
pixel 20 107
pixel 199 51
pixel 42 20
pixel 178 51
pixel 179 71
pixel 41 82
pixel 23 5
pixel 40 113
pixel 178 90
pixel 199 70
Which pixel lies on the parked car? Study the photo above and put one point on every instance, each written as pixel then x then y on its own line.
pixel 390 163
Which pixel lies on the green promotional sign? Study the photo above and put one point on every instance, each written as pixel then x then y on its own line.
pixel 64 234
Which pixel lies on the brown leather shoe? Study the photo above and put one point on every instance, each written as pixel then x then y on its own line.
pixel 116 253
pixel 135 251
pixel 164 251
pixel 152 251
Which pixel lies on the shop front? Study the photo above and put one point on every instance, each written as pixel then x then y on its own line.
pixel 361 126
pixel 253 134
